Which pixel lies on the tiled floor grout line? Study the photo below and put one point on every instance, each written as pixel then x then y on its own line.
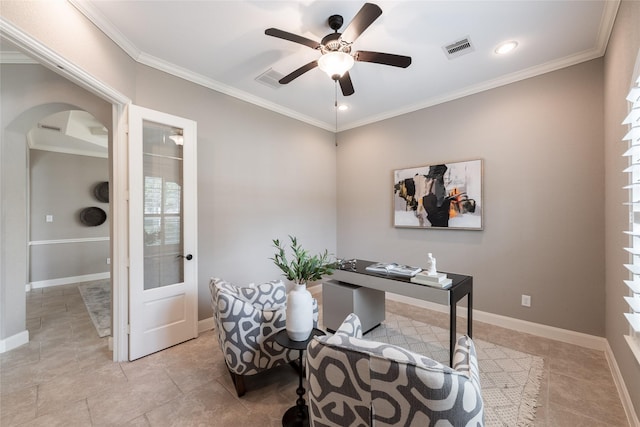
pixel 571 374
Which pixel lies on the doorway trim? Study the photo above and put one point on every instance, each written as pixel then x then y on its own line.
pixel 118 152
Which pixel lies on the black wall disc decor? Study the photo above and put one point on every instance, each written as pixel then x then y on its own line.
pixel 101 192
pixel 93 216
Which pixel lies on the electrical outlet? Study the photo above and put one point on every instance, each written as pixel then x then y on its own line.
pixel 108 260
pixel 526 300
pixel 48 218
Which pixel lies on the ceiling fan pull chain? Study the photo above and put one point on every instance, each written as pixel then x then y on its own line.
pixel 336 110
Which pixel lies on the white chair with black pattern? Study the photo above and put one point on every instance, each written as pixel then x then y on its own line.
pixel 357 382
pixel 247 320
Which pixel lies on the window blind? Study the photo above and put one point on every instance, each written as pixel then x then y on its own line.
pixel 632 121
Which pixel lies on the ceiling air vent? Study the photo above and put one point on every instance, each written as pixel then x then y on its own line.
pixel 458 48
pixel 270 78
pixel 49 127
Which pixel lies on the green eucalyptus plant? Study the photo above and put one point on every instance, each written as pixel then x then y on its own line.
pixel 303 267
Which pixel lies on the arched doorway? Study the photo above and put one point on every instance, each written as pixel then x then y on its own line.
pixel 30 94
pixel 113 104
pixel 69 239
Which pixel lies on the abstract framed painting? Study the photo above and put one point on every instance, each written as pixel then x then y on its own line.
pixel 442 195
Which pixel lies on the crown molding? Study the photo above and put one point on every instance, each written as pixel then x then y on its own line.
pixel 91 13
pixel 201 80
pixel 45 56
pixel 606 26
pixel 604 33
pixel 484 86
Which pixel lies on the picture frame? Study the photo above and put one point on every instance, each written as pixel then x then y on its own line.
pixel 444 196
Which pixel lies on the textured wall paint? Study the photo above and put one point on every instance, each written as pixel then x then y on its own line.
pixel 541 142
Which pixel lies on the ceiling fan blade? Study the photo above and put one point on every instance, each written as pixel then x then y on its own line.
pixel 274 32
pixel 297 73
pixel 383 58
pixel 346 85
pixel 365 17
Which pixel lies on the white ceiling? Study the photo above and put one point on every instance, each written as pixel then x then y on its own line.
pixel 222 45
pixel 71 132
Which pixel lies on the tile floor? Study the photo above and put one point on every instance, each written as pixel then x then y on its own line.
pixel 65 377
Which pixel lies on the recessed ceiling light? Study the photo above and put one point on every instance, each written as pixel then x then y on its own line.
pixel 506 47
pixel 343 107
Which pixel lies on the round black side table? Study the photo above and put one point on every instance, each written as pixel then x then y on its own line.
pixel 297 416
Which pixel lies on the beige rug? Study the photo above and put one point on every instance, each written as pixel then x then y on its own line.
pixel 97 298
pixel 510 379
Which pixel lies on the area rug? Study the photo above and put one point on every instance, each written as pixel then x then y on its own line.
pixel 97 298
pixel 510 379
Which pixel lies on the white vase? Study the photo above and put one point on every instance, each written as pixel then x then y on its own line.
pixel 299 322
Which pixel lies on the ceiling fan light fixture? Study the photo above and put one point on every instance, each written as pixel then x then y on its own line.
pixel 177 139
pixel 176 136
pixel 335 64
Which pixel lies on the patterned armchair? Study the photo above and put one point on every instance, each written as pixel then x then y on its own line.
pixel 355 382
pixel 247 320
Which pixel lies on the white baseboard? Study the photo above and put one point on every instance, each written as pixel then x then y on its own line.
pixel 571 337
pixel 14 341
pixel 618 379
pixel 544 331
pixel 563 335
pixel 206 325
pixel 67 280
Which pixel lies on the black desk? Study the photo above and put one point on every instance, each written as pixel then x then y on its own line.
pixel 297 415
pixel 462 286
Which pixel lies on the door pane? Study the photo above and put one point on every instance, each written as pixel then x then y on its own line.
pixel 162 205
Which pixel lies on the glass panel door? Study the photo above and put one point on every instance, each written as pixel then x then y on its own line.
pixel 162 205
pixel 163 228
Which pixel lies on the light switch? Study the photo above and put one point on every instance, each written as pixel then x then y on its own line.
pixel 49 218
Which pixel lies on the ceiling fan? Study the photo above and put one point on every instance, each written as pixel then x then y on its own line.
pixel 337 59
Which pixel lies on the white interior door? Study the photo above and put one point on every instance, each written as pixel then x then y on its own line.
pixel 163 289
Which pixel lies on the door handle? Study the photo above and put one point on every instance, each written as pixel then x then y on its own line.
pixel 188 257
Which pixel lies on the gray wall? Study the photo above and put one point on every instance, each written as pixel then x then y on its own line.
pixel 541 142
pixel 62 185
pixel 29 93
pixel 623 54
pixel 261 176
pixel 64 30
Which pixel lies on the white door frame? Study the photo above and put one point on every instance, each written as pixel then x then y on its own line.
pixel 119 208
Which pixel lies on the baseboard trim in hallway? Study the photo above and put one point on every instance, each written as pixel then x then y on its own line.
pixel 14 341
